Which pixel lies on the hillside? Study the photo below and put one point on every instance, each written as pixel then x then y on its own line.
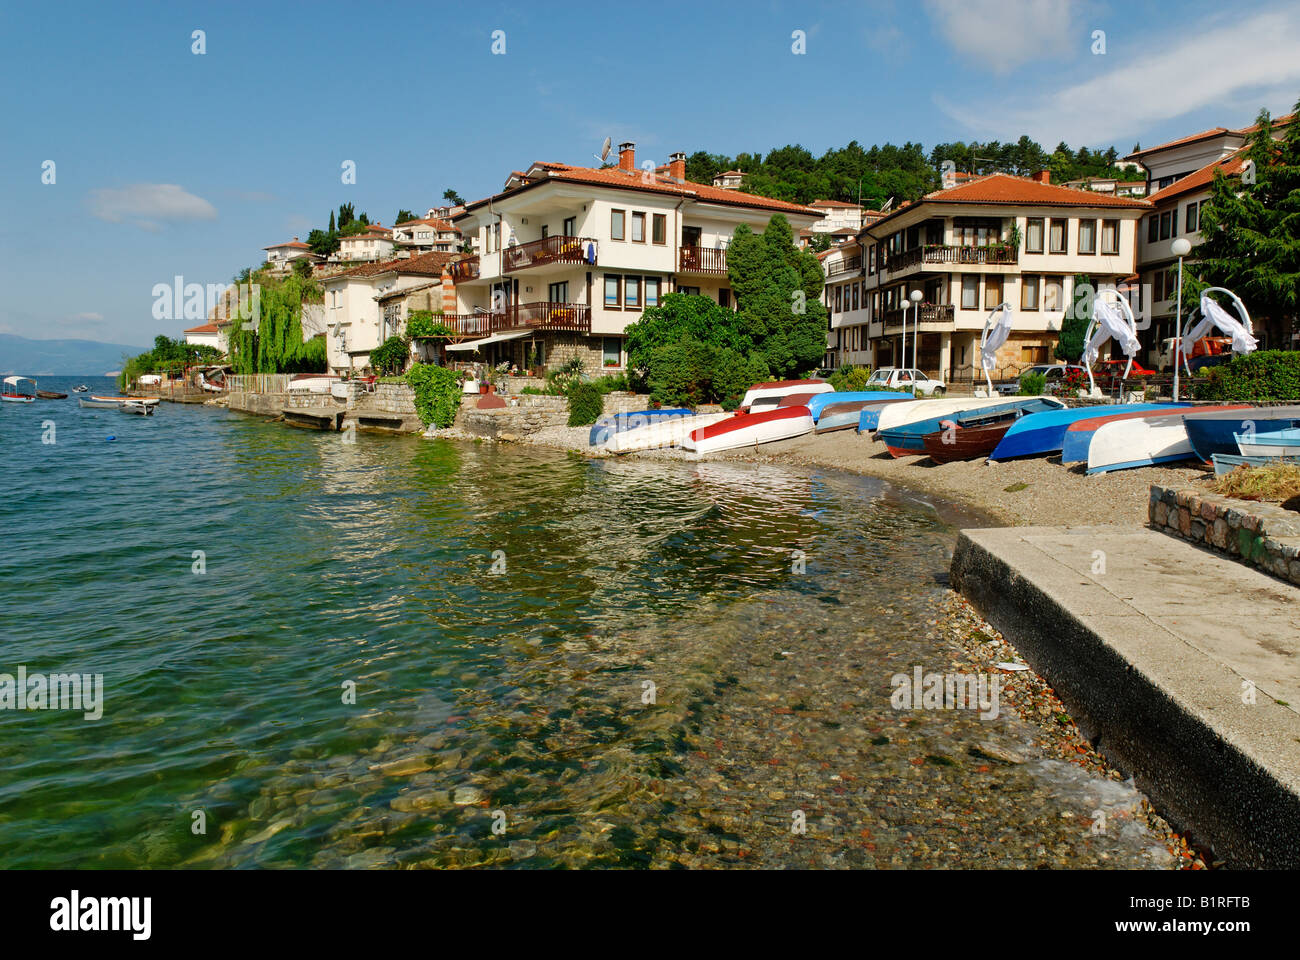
pixel 60 358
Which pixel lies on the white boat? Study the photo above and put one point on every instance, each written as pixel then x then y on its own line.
pixel 312 383
pixel 1277 443
pixel 765 396
pixel 660 432
pixel 81 388
pixel 13 391
pixel 901 414
pixel 750 429
pixel 1138 442
pixel 138 407
pixel 112 402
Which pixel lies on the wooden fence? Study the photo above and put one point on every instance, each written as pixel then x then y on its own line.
pixel 258 382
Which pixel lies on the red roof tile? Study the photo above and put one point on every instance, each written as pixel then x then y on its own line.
pixel 425 265
pixel 1181 141
pixel 297 245
pixel 204 328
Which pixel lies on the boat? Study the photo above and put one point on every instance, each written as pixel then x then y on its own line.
pixel 1214 433
pixel 1078 437
pixel 81 388
pixel 1045 432
pixel 870 417
pixel 901 414
pixel 820 401
pixel 1140 442
pixel 606 427
pixel 12 390
pixel 313 383
pixel 112 402
pixel 1227 462
pixel 764 396
pixel 909 439
pixel 138 407
pixel 668 431
pixel 965 443
pixel 750 429
pixel 1277 443
pixel 50 395
pixel 848 416
pixel 798 399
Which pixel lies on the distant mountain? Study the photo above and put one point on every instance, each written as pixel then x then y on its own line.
pixel 61 358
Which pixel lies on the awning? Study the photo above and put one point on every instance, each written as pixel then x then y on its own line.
pixel 495 338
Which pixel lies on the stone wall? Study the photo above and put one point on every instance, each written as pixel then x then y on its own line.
pixel 532 413
pixel 563 347
pixel 1264 535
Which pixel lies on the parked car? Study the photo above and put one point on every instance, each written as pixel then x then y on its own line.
pixel 1114 369
pixel 1204 347
pixel 1053 373
pixel 899 378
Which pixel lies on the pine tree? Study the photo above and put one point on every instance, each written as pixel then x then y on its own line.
pixel 331 229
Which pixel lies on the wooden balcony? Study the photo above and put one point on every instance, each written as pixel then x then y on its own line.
pixel 543 315
pixel 539 253
pixel 466 269
pixel 995 255
pixel 936 315
pixel 847 265
pixel 702 260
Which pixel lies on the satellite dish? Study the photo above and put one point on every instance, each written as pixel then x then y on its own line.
pixel 604 150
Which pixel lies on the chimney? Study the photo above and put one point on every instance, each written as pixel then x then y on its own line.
pixel 627 156
pixel 295 239
pixel 677 165
pixel 1042 176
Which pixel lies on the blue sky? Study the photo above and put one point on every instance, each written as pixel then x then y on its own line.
pixel 171 163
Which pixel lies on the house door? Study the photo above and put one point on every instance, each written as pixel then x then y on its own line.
pixel 691 236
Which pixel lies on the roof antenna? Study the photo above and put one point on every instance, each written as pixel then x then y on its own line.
pixel 604 151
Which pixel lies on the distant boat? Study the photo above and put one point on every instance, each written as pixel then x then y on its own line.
pixel 750 429
pixel 606 427
pixel 81 388
pixel 51 395
pixel 113 402
pixel 1227 462
pixel 1212 433
pixel 765 396
pixel 1078 436
pixel 12 390
pixel 1045 432
pixel 909 439
pixel 138 407
pixel 1279 443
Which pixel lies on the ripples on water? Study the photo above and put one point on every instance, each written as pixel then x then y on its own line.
pixel 328 562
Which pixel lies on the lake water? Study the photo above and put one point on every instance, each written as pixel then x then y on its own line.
pixel 402 653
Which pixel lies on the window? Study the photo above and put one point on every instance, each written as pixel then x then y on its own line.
pixel 1166 225
pixel 611 292
pixel 631 292
pixel 570 226
pixel 871 259
pixel 1034 235
pixel 1193 222
pixel 724 298
pixel 616 227
pixel 855 296
pixel 1052 288
pixel 1110 238
pixel 638 228
pixel 659 228
pixel 970 291
pixel 1033 354
pixel 652 291
pixel 546 231
pixel 1056 237
pixel 689 291
pixel 838 291
pixel 1028 293
pixel 612 348
pixel 992 292
pixel 1088 236
pixel 558 292
pixel 1153 228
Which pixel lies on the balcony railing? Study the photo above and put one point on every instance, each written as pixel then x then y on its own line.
pixel 849 265
pixel 934 313
pixel 537 253
pixel 466 269
pixel 993 255
pixel 544 315
pixel 702 260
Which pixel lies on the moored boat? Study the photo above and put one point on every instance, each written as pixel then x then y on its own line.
pixel 112 402
pixel 606 427
pixel 848 415
pixel 81 388
pixel 50 395
pixel 1212 433
pixel 765 396
pixel 140 408
pixel 909 439
pixel 313 382
pixel 1078 436
pixel 14 391
pixel 1045 432
pixel 1140 442
pixel 1277 443
pixel 750 429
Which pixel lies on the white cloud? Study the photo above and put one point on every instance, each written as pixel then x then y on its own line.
pixel 145 204
pixel 83 317
pixel 1002 35
pixel 1219 66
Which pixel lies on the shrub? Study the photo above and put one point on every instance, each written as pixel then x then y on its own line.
pixel 733 374
pixel 390 356
pixel 1032 384
pixel 437 393
pixel 850 378
pixel 586 403
pixel 1268 375
pixel 423 323
pixel 678 374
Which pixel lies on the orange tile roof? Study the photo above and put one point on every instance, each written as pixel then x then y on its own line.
pixel 296 244
pixel 632 180
pixel 204 328
pixel 1203 135
pixel 1281 121
pixel 1202 178
pixel 425 265
pixel 430 222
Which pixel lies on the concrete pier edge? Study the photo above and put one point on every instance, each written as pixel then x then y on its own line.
pixel 1164 712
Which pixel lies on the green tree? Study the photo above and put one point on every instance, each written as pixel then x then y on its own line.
pixel 331 229
pixel 404 215
pixel 679 318
pixel 1069 346
pixel 452 197
pixel 323 243
pixel 346 215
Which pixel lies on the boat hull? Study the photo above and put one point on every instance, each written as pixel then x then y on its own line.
pixel 662 432
pixel 1142 442
pixel 903 414
pixel 848 416
pixel 1227 462
pixel 1280 443
pixel 606 427
pixel 822 402
pixel 13 398
pixel 768 395
pixel 970 443
pixel 750 429
pixel 1045 432
pixel 1078 436
pixel 50 395
pixel 1215 434
pixel 909 439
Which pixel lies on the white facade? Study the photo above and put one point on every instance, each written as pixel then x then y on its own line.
pixel 365 247
pixel 354 321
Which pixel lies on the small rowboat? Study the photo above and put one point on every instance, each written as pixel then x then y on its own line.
pixel 870 418
pixel 113 402
pixel 1227 462
pixel 909 439
pixel 81 388
pixel 50 395
pixel 750 429
pixel 765 396
pixel 138 407
pixel 1213 432
pixel 1078 436
pixel 820 401
pixel 13 391
pixel 659 432
pixel 848 416
pixel 798 399
pixel 1045 432
pixel 606 427
pixel 1279 443
pixel 965 443
pixel 1141 442
pixel 312 383
pixel 901 414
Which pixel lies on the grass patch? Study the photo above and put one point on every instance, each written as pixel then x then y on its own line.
pixel 1275 484
pixel 1015 488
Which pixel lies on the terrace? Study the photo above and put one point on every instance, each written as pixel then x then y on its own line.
pixel 541 315
pixel 692 259
pixel 547 251
pixel 940 253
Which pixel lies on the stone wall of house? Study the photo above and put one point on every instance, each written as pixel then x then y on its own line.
pixel 563 347
pixel 1264 535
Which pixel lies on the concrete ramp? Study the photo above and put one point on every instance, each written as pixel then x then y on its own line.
pixel 1183 666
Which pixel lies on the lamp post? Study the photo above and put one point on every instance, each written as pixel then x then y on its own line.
pixel 1180 248
pixel 915 297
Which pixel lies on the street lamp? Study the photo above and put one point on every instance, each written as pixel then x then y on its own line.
pixel 1180 248
pixel 915 297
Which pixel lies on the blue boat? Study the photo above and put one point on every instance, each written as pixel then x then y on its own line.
pixel 820 401
pixel 1045 432
pixel 870 416
pixel 1275 443
pixel 1227 462
pixel 605 427
pixel 1214 434
pixel 910 438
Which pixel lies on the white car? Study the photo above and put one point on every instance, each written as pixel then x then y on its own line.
pixel 899 378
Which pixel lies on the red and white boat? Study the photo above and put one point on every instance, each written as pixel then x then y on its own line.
pixel 765 396
pixel 750 429
pixel 13 391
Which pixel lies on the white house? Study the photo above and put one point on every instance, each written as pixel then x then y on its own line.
pixel 208 334
pixel 373 245
pixel 430 233
pixel 848 340
pixel 281 256
pixel 571 255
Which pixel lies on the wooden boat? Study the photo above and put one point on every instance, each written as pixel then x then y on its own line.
pixel 1227 462
pixel 965 443
pixel 1278 443
pixel 797 399
pixel 1045 432
pixel 606 427
pixel 848 416
pixel 901 414
pixel 820 401
pixel 12 390
pixel 138 407
pixel 1078 436
pixel 765 396
pixel 909 439
pixel 870 418
pixel 1213 433
pixel 1141 442
pixel 111 402
pixel 50 395
pixel 750 429
pixel 659 432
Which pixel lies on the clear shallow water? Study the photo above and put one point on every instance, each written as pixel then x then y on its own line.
pixel 514 699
